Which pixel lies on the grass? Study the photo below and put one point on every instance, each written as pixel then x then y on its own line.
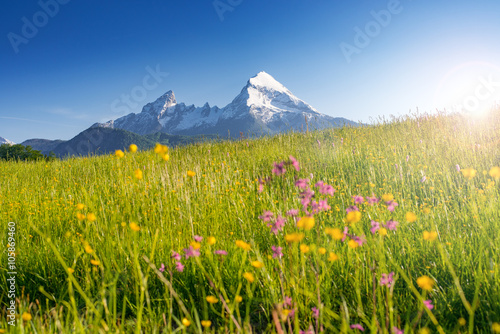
pixel 102 274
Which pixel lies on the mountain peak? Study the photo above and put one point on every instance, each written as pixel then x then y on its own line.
pixel 265 80
pixel 161 104
pixel 5 141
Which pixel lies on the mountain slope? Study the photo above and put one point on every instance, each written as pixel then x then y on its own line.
pixel 263 106
pixel 43 145
pixel 5 141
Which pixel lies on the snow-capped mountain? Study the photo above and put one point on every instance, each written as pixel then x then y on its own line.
pixel 263 106
pixel 5 141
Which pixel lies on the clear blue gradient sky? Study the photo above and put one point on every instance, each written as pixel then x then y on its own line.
pixel 73 71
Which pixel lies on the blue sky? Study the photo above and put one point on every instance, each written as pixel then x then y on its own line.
pixel 83 57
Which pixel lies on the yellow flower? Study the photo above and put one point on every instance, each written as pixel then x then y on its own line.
pixel 353 244
pixel 243 245
pixel 212 299
pixel 322 250
pixel 161 149
pixel 138 174
pixel 206 323
pixel 335 233
pixel 71 270
pixel 469 172
pixel 132 148
pixel 249 277
pixel 238 299
pixel 195 244
pixel 91 217
pixel 304 248
pixel 166 157
pixel 387 197
pixel 88 249
pixel 134 227
pixel 190 173
pixel 80 206
pixel 495 327
pixel 80 216
pixel 382 231
pixel 26 316
pixel 353 217
pixel 332 257
pixel 462 322
pixel 306 223
pixel 431 236
pixel 95 262
pixel 186 322
pixel 425 282
pixel 495 172
pixel 211 240
pixel 424 330
pixel 411 217
pixel 426 211
pixel 119 154
pixel 257 264
pixel 294 237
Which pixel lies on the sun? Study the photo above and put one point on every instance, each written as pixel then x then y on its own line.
pixel 472 88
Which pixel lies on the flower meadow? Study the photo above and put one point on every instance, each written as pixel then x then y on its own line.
pixel 391 228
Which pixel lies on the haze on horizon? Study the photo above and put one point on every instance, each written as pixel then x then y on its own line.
pixel 68 64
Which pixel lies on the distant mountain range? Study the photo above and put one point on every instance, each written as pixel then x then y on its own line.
pixel 5 141
pixel 264 106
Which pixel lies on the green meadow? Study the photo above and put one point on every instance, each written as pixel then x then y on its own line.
pixel 377 229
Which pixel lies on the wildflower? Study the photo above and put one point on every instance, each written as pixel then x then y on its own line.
pixel 495 327
pixel 190 173
pixel 88 249
pixel 396 330
pixel 322 250
pixel 238 299
pixel 220 252
pixel 176 256
pixel 161 149
pixel 191 252
pixel 212 299
pixel 80 206
pixel 407 158
pixel 134 227
pixel 186 322
pixel 360 240
pixel 162 268
pixel 198 238
pixel 304 248
pixel 26 316
pixel 266 216
pixel 138 174
pixel 457 167
pixel 279 169
pixel 345 235
pixel 261 188
pixel 71 270
pixel 206 323
pixel 375 226
pixel 315 312
pixel 423 179
pixel 327 189
pixel 319 143
pixel 352 208
pixel 195 245
pixel 358 199
pixel 469 173
pixel 428 304
pixel 165 157
pixel 119 154
pixel 306 223
pixel 387 279
pixel 294 163
pixel 495 172
pixel 132 148
pixel 302 183
pixel 278 225
pixel 387 197
pixel 249 277
pixel 357 326
pixel 294 237
pixel 425 282
pixel 332 257
pixel 80 216
pixel 277 252
pixel 353 244
pixel 95 262
pixel 257 264
pixel 411 217
pixel 179 267
pixel 292 212
pixel 372 200
pixel 392 225
pixel 382 232
pixel 211 240
pixel 430 236
pixel 462 322
pixel 243 245
pixel 353 217
pixel 91 217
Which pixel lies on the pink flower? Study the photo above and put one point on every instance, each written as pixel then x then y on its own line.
pixel 391 205
pixel 302 183
pixel 220 252
pixel 357 326
pixel 295 163
pixel 291 314
pixel 392 225
pixel 387 279
pixel 319 143
pixel 358 199
pixel 197 238
pixel 277 253
pixel 407 158
pixel 323 205
pixel 428 304
pixel 179 267
pixel 267 216
pixel 360 240
pixel 315 312
pixel 342 140
pixel 162 268
pixel 261 188
pixel 423 179
pixel 396 330
pixel 346 229
pixel 278 225
pixel 176 256
pixel 375 227
pixel 292 212
pixel 457 166
pixel 372 200
pixel 279 169
pixel 327 189
pixel 191 252
pixel 310 330
pixel 288 300
pixel 352 208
